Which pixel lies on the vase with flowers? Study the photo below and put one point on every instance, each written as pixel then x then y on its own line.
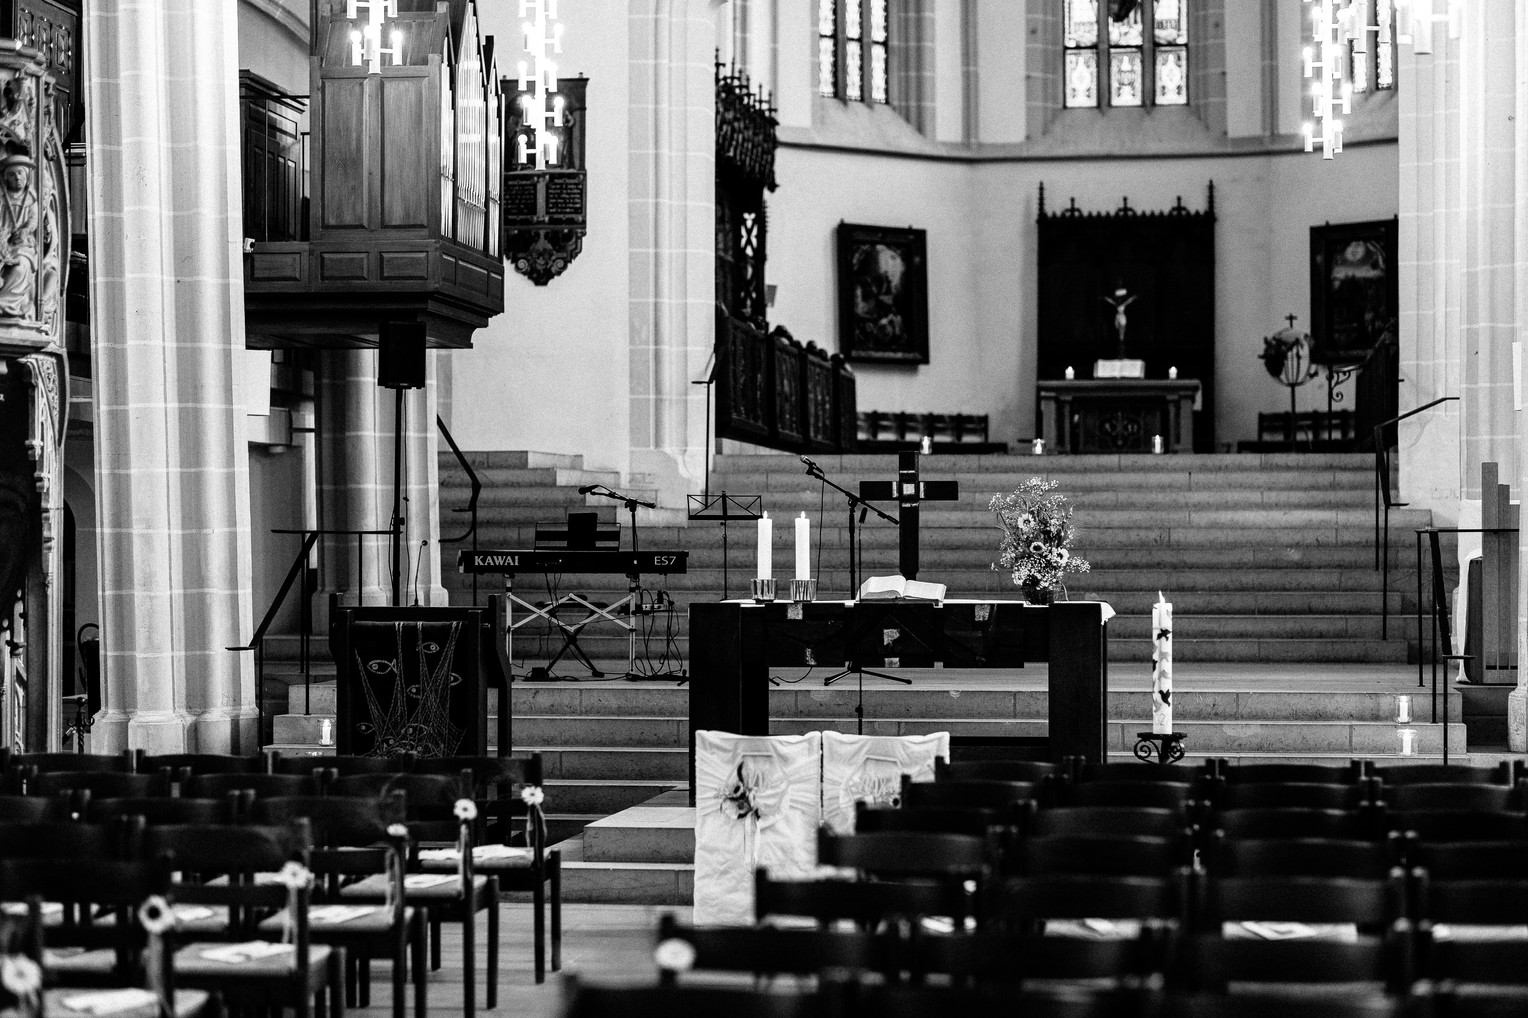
pixel 1037 538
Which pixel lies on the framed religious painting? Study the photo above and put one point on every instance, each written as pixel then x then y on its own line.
pixel 882 294
pixel 1354 289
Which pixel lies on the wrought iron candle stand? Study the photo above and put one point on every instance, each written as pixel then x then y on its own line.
pixel 1167 747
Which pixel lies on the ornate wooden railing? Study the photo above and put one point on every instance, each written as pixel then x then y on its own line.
pixel 778 392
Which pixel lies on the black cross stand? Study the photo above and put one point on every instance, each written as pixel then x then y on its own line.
pixel 909 492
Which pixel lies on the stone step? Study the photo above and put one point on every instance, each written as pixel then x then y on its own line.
pixel 452 477
pixel 532 515
pixel 604 883
pixel 644 834
pixel 519 459
pixel 603 796
pixel 645 763
pixel 1028 465
pixel 1073 485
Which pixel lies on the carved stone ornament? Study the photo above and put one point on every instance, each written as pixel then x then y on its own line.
pixel 33 205
pixel 542 255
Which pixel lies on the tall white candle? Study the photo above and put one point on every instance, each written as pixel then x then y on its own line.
pixel 766 547
pixel 1162 666
pixel 803 548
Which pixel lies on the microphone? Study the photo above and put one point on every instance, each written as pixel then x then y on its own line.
pixel 588 488
pixel 809 464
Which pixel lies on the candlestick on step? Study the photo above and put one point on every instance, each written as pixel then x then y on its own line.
pixel 1162 666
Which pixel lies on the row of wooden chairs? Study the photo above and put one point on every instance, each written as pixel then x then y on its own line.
pixel 1077 769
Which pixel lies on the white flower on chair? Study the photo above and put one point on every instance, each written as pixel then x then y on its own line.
pixel 466 810
pixel 675 955
pixel 20 975
pixel 156 916
pixel 398 831
pixel 532 795
pixel 294 876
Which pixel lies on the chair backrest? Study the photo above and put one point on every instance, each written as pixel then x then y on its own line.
pixel 1025 900
pixel 1441 774
pixel 180 764
pixel 974 794
pixel 1115 855
pixel 1109 821
pixel 334 823
pixel 935 820
pixel 1187 774
pixel 1212 962
pixel 1338 824
pixel 429 799
pixel 216 786
pixel 1298 899
pixel 165 810
pixel 1357 1004
pixel 64 839
pixel 768 950
pixel 901 854
pixel 1315 857
pixel 236 852
pixel 1326 774
pixel 1456 825
pixel 1499 901
pixel 92 887
pixel 340 764
pixel 1158 794
pixel 33 808
pixel 994 770
pixel 1503 962
pixel 1467 860
pixel 125 762
pixel 100 784
pixel 944 1002
pixel 1288 795
pixel 684 1001
pixel 866 902
pixel 1012 958
pixel 1444 796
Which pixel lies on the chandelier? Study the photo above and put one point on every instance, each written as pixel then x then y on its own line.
pixel 542 105
pixel 366 49
pixel 1332 27
pixel 1417 18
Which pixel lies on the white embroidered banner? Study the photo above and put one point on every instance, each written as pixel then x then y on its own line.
pixel 869 768
pixel 757 803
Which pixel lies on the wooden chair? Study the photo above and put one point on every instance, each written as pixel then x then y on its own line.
pixel 1288 795
pixel 166 810
pixel 1374 903
pixel 1079 770
pixel 1336 824
pixel 994 770
pixel 1443 774
pixel 1112 856
pixel 1292 857
pixel 1456 825
pixel 117 954
pixel 975 823
pixel 1376 1004
pixel 33 808
pixel 769 951
pixel 903 855
pixel 1025 904
pixel 1484 902
pixel 1467 860
pixel 353 841
pixel 342 765
pixel 1109 821
pixel 501 787
pixel 201 763
pixel 294 978
pixel 943 1002
pixel 125 762
pixel 450 897
pixel 1211 963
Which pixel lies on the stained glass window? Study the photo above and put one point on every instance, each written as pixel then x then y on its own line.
pixel 1372 61
pixel 852 49
pixel 1126 62
pixel 1081 39
pixel 827 48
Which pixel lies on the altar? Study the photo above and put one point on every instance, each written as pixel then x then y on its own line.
pixel 733 645
pixel 1117 415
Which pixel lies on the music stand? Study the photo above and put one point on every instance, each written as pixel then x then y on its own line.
pixel 724 509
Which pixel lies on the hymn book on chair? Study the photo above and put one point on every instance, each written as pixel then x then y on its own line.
pixel 899 588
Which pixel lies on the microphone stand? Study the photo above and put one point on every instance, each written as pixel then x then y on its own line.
pixel 857 507
pixel 634 577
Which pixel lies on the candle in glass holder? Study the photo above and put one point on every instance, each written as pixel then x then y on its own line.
pixel 1162 666
pixel 766 542
pixel 803 548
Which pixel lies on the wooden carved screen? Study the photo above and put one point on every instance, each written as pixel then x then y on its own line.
pixel 1166 260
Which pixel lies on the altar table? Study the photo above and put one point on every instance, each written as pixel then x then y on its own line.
pixel 1111 415
pixel 733 644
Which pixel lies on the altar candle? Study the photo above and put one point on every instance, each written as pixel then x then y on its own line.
pixel 766 542
pixel 803 548
pixel 1070 374
pixel 1162 666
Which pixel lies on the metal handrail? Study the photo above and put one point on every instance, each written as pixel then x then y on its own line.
pixel 1383 502
pixel 472 503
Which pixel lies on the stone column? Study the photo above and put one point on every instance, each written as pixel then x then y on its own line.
pixel 423 510
pixel 354 440
pixel 1517 701
pixel 172 469
pixel 672 217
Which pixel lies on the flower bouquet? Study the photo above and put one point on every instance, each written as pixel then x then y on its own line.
pixel 1037 538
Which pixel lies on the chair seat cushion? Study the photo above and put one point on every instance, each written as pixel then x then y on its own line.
pixel 78 961
pixel 328 921
pixel 488 858
pixel 227 962
pixel 190 920
pixel 422 887
pixel 123 1003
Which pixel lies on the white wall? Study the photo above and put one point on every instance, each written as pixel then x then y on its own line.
pixel 551 373
pixel 273 41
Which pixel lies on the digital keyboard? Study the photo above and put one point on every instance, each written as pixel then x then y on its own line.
pixel 624 563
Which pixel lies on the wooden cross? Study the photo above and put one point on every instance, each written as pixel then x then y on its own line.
pixel 909 492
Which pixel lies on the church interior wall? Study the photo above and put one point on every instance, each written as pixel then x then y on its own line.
pixel 553 372
pixel 277 479
pixel 273 41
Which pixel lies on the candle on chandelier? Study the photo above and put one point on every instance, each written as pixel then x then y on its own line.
pixel 803 548
pixel 766 547
pixel 1162 666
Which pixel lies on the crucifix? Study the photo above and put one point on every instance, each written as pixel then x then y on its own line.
pixel 909 491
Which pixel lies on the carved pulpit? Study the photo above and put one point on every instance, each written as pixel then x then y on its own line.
pixel 34 263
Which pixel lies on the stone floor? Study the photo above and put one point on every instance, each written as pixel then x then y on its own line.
pixel 601 943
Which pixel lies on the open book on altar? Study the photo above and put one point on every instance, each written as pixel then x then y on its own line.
pixel 899 588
